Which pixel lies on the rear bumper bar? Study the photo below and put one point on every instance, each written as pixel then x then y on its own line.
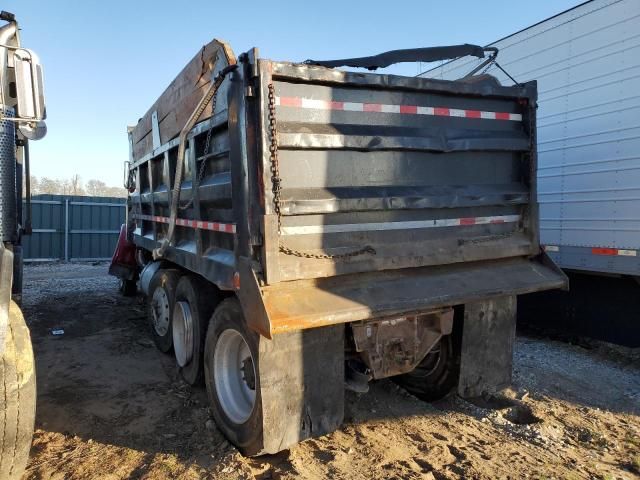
pixel 303 304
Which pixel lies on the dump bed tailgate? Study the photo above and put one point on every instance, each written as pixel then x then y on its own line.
pixel 403 172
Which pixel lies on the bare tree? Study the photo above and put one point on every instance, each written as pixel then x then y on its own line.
pixel 118 192
pixel 35 186
pixel 96 188
pixel 50 186
pixel 75 185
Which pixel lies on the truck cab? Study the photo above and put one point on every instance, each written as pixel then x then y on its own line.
pixel 22 115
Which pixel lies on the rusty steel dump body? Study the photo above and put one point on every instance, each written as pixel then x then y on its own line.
pixel 395 194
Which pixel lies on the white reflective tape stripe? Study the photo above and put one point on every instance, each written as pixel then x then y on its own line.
pixel 310 103
pixel 551 248
pixel 628 253
pixel 389 108
pixel 366 227
pixel 424 110
pixel 317 104
pixel 353 107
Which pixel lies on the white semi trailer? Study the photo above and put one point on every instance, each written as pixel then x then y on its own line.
pixel 586 61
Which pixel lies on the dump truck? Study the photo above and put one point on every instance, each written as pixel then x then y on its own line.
pixel 300 230
pixel 22 114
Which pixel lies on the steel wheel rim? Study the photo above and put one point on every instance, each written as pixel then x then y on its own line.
pixel 182 333
pixel 160 311
pixel 234 376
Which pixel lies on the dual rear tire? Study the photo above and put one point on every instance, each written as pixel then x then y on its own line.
pixel 210 339
pixel 195 300
pixel 161 300
pixel 179 310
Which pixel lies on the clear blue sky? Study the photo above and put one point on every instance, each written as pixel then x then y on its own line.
pixel 107 61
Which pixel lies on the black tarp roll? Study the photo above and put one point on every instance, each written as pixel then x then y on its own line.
pixel 428 54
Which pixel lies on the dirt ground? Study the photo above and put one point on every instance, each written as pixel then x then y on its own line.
pixel 110 406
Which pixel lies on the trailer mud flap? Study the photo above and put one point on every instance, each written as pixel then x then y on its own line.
pixel 301 385
pixel 487 346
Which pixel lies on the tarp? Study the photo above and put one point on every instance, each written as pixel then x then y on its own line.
pixel 429 54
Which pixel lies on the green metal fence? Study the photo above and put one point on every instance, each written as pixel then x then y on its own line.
pixel 73 227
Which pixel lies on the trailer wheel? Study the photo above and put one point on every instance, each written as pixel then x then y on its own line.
pixel 231 377
pixel 195 301
pixel 161 299
pixel 436 375
pixel 18 394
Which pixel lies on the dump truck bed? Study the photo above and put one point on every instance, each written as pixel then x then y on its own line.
pixel 424 172
pixel 332 185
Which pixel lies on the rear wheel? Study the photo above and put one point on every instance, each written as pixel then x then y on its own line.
pixel 231 377
pixel 194 304
pixel 161 299
pixel 18 394
pixel 436 375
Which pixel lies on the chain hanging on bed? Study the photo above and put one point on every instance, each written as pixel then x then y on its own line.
pixel 203 164
pixel 276 188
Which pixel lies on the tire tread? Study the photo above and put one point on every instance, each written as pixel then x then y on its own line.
pixel 17 371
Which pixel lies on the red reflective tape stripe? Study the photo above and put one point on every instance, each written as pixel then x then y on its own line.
pixel 215 226
pixel 291 101
pixel 467 221
pixel 300 102
pixel 604 251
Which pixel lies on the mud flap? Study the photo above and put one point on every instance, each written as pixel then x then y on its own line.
pixel 302 385
pixel 487 346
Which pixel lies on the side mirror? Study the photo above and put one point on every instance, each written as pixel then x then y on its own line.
pixel 30 93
